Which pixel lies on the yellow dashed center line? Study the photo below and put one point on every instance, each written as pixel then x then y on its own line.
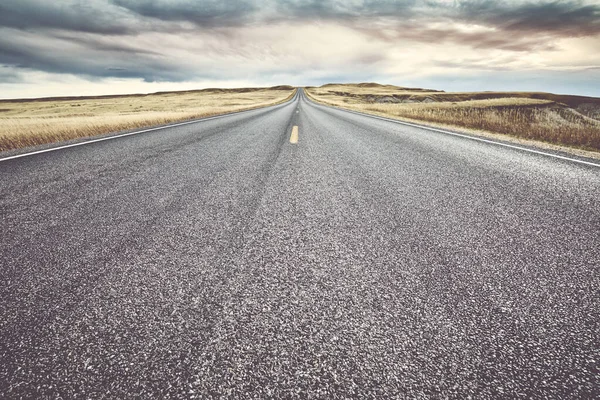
pixel 294 135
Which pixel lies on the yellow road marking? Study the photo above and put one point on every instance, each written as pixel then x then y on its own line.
pixel 294 135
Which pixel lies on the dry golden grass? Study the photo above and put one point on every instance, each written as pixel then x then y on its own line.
pixel 35 122
pixel 538 116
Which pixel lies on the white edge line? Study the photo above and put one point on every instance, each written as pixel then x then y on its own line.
pixel 142 131
pixel 459 135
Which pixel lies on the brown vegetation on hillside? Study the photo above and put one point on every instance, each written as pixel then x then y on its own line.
pixel 557 119
pixel 26 123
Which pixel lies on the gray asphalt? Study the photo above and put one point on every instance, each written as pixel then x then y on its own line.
pixel 370 260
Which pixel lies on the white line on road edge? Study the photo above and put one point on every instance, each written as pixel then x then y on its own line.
pixel 142 131
pixel 461 135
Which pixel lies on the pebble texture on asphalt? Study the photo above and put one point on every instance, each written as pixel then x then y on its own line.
pixel 372 259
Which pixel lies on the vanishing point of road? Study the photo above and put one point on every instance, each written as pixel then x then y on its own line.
pixel 369 259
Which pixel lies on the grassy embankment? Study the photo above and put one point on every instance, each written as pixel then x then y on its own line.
pixel 557 119
pixel 26 123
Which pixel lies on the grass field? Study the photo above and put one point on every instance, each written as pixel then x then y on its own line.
pixel 557 119
pixel 26 123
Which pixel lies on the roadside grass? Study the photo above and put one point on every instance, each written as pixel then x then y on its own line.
pixel 25 123
pixel 556 119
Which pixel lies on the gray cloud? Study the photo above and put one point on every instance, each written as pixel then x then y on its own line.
pixel 102 44
pixel 71 15
pixel 102 38
pixel 208 13
pixel 52 55
pixel 565 18
pixel 520 27
pixel 422 33
pixel 9 75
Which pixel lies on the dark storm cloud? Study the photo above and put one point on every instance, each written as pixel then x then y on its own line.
pixel 568 17
pixel 339 10
pixel 128 16
pixel 51 55
pixel 410 19
pixel 73 15
pixel 520 27
pixel 202 13
pixel 564 18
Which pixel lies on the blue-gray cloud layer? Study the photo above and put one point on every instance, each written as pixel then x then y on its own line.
pixel 89 38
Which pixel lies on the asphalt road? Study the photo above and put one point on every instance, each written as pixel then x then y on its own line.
pixel 370 259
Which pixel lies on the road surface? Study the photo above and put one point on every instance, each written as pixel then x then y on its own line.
pixel 369 259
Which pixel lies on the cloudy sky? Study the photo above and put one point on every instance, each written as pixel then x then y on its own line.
pixel 83 47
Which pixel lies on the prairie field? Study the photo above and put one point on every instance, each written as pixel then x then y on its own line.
pixel 557 119
pixel 25 123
